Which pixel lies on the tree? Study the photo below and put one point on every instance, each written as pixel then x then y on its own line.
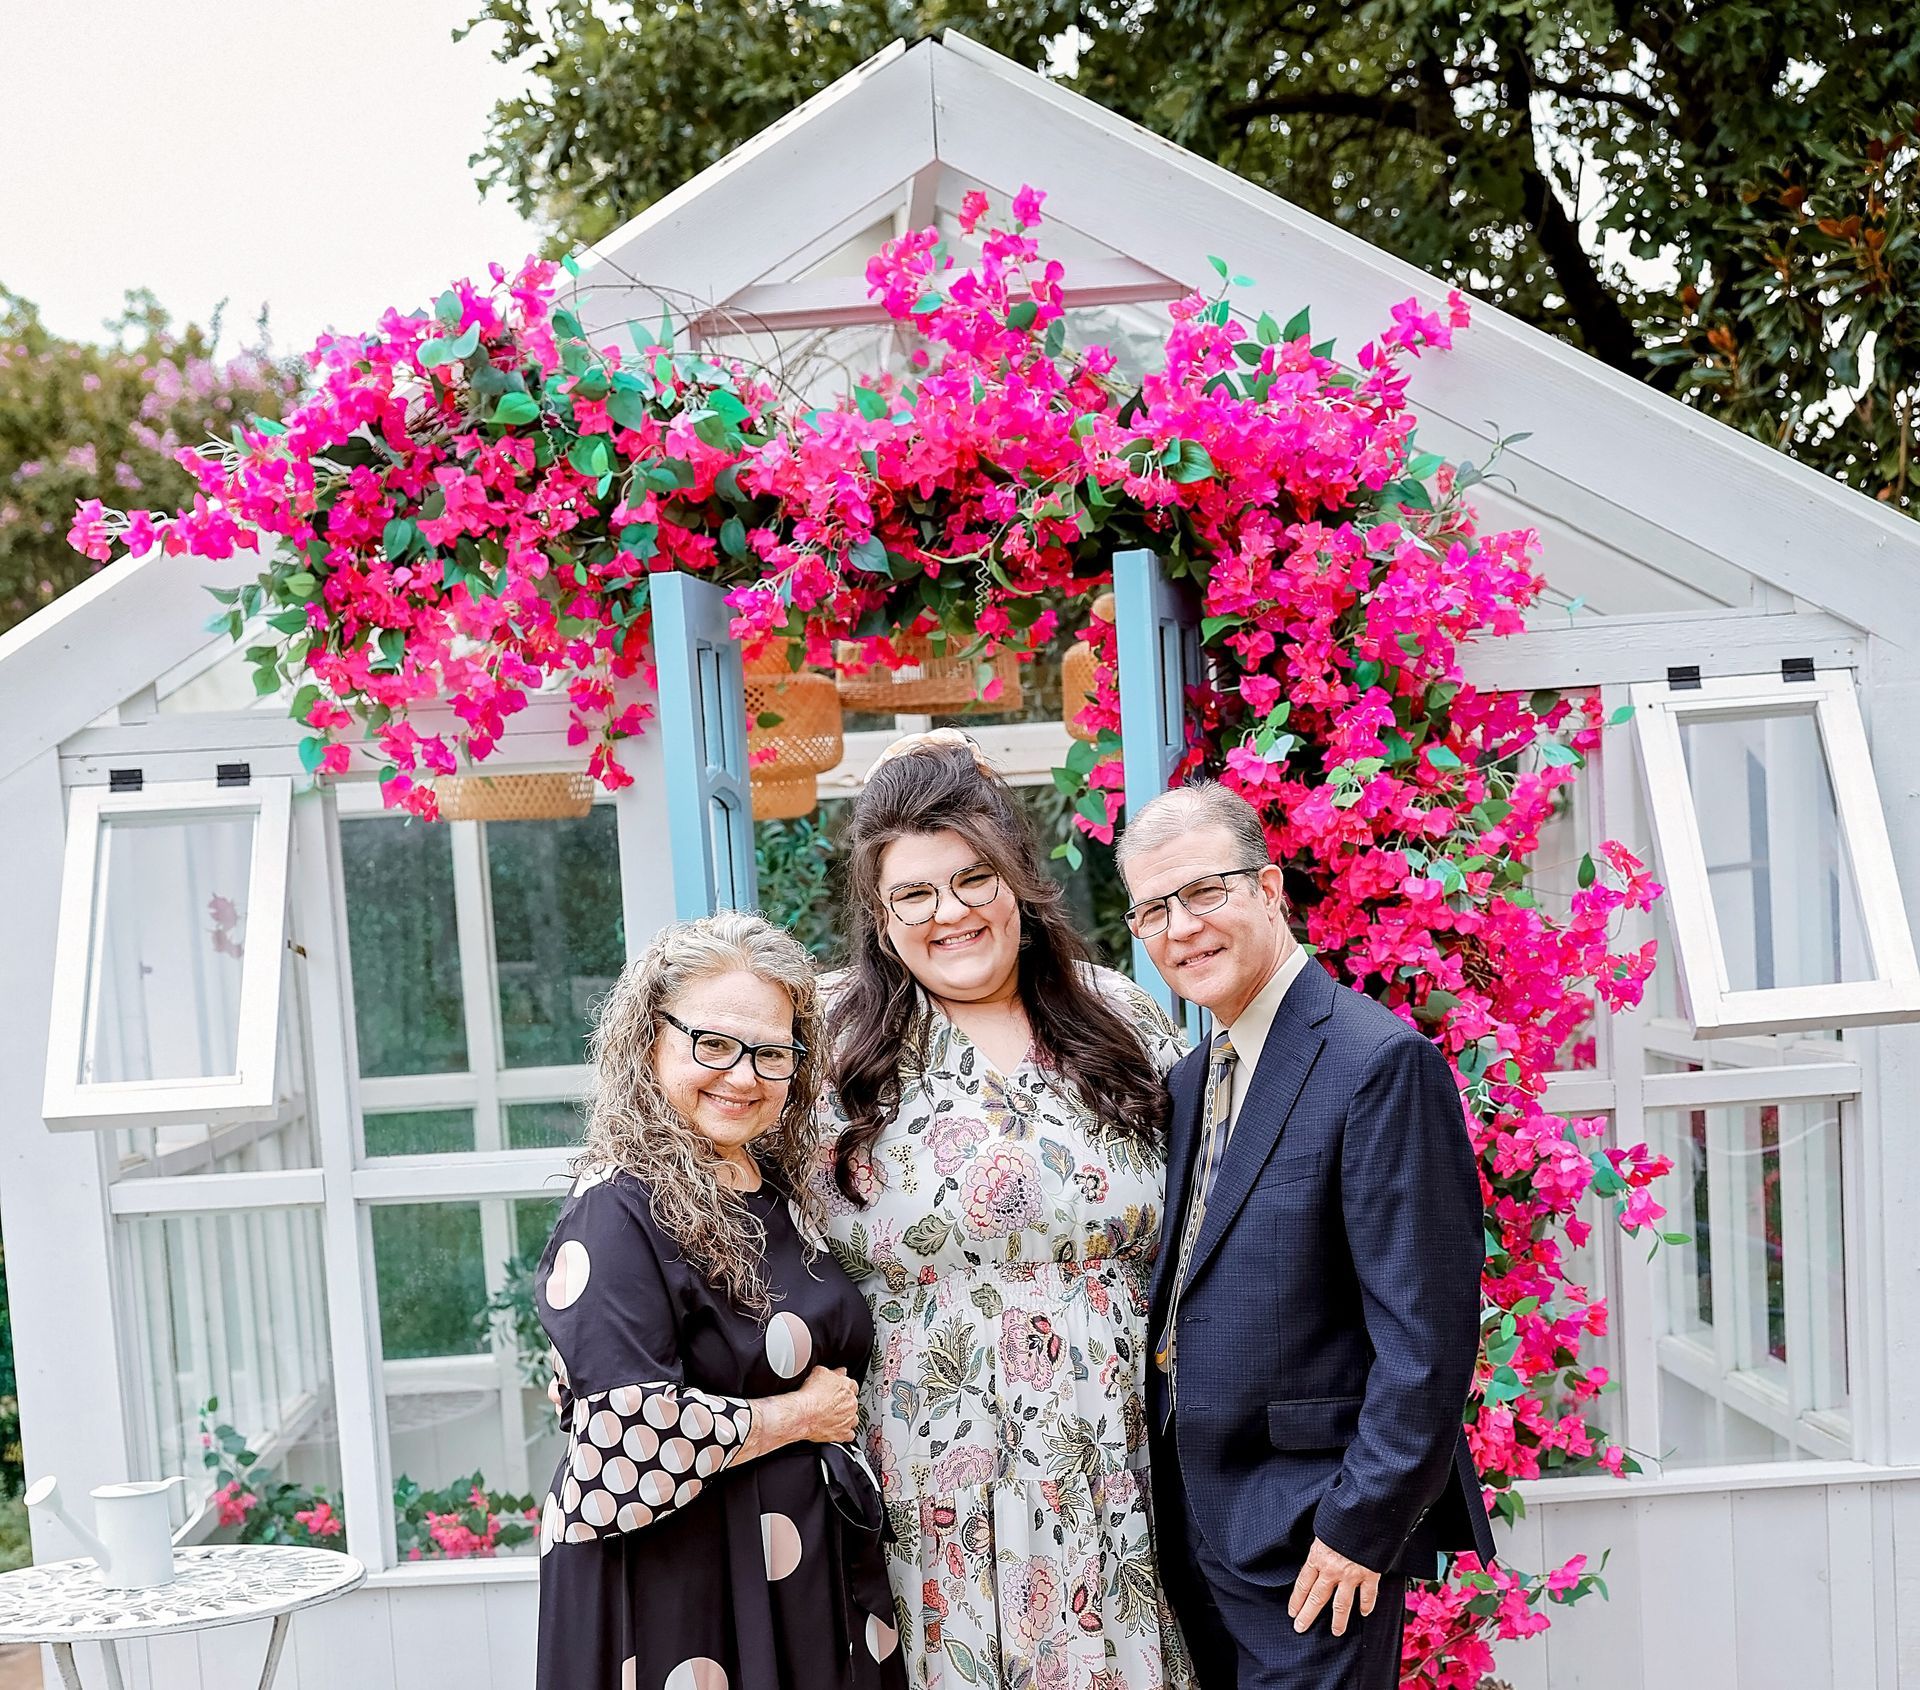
pixel 80 420
pixel 1715 196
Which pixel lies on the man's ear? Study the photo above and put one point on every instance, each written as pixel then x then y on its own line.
pixel 1274 884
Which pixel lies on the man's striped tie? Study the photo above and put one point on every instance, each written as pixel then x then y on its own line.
pixel 1214 1128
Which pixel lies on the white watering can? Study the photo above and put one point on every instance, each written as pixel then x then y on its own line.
pixel 134 1546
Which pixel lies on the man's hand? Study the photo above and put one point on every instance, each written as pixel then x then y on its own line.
pixel 1327 1577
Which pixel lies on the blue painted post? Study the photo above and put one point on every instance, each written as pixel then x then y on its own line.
pixel 703 742
pixel 1158 627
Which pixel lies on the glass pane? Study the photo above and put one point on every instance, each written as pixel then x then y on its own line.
pixel 471 1433
pixel 168 943
pixel 1783 893
pixel 285 1141
pixel 405 947
pixel 1755 1302
pixel 418 1132
pixel 543 1126
pixel 229 1358
pixel 559 934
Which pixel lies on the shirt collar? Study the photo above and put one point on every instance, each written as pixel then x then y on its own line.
pixel 1249 1032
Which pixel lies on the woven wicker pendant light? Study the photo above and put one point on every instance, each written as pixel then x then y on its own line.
pixel 513 798
pixel 802 710
pixel 1077 674
pixel 930 683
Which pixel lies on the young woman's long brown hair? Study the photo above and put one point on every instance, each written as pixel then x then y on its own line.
pixel 876 1042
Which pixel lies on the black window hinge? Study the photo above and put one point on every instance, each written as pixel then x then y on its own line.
pixel 125 780
pixel 1796 668
pixel 1684 677
pixel 232 774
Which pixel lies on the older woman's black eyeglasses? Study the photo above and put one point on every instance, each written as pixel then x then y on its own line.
pixel 1148 918
pixel 916 903
pixel 722 1051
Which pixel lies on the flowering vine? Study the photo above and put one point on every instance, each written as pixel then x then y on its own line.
pixel 471 503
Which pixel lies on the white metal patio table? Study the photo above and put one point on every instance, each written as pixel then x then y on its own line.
pixel 64 1602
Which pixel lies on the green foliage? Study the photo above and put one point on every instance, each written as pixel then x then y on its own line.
pixel 801 872
pixel 81 421
pixel 1757 155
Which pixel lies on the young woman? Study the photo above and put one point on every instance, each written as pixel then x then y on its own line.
pixel 994 1187
pixel 706 1530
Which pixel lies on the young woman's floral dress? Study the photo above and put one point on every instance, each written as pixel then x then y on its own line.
pixel 1007 1249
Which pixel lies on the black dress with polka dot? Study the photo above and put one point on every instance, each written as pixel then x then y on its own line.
pixel 666 1562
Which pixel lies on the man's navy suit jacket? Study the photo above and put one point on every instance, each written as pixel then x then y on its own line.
pixel 1330 1320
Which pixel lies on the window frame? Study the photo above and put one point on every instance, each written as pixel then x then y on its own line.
pixel 1715 1009
pixel 69 1103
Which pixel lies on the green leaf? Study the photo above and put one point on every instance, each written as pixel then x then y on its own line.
pixel 312 749
pixel 1070 851
pixel 467 344
pixel 1588 872
pixel 733 537
pixel 301 584
pixel 447 308
pixel 1623 714
pixel 1219 264
pixel 872 406
pixel 1021 315
pixel 1441 757
pixel 516 408
pixel 870 555
pixel 932 300
pixel 1093 806
pixel 1081 757
pixel 434 353
pixel 590 456
pixel 1297 325
pixel 1212 627
pixel 1268 330
pixel 399 537
pixel 1195 463
pixel 1558 756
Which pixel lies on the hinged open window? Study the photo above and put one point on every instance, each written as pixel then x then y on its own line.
pixel 1785 908
pixel 166 990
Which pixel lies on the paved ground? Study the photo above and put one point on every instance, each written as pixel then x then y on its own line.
pixel 19 1667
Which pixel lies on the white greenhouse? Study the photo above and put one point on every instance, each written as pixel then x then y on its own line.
pixel 290 1083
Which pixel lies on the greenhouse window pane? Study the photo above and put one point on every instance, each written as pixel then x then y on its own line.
pixel 544 1126
pixel 418 1132
pixel 1783 893
pixel 471 1435
pixel 1782 897
pixel 405 947
pixel 1753 1357
pixel 559 935
pixel 168 971
pixel 164 997
pixel 228 1335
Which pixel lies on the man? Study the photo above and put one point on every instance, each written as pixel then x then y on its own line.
pixel 1316 1308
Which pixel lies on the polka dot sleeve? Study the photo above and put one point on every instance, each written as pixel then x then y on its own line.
pixel 641 1440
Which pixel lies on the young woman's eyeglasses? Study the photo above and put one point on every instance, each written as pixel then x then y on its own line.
pixel 1148 918
pixel 722 1051
pixel 917 902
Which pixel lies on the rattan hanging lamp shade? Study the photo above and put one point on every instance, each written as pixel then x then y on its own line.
pixel 514 798
pixel 1077 674
pixel 930 683
pixel 801 738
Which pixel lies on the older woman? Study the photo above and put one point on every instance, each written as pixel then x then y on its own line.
pixel 705 1531
pixel 995 1189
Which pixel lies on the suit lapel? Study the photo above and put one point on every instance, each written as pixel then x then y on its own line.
pixel 1294 1043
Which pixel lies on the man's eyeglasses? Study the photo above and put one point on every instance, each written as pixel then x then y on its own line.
pixel 722 1051
pixel 1148 918
pixel 917 902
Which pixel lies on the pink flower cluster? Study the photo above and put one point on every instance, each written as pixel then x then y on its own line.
pixel 470 504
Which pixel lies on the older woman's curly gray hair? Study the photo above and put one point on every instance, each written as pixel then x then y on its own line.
pixel 631 1125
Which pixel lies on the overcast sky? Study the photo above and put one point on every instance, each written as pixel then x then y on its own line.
pixel 308 155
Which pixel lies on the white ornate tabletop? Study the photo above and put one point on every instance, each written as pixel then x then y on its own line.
pixel 215 1584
